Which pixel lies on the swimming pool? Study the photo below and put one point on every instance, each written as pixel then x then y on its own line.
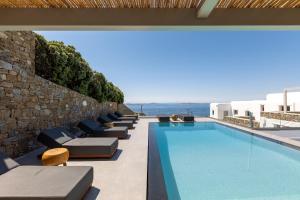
pixel 209 161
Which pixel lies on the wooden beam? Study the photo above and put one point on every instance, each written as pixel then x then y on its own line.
pixel 206 7
pixel 141 19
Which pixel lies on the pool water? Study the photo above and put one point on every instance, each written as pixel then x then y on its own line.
pixel 210 161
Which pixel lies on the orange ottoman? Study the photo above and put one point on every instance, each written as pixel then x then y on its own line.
pixel 56 156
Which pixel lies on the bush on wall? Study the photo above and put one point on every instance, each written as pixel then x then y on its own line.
pixel 113 93
pixel 97 87
pixel 63 65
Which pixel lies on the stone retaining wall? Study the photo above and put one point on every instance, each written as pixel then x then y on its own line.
pixel 125 110
pixel 29 103
pixel 240 121
pixel 293 117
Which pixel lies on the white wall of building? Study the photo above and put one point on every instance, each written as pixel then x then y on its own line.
pixel 218 110
pixel 255 107
pixel 274 100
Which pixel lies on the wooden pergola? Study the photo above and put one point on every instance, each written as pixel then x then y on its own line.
pixel 144 14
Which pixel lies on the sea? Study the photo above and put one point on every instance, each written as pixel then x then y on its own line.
pixel 152 109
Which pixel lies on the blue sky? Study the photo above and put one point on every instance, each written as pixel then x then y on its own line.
pixel 199 66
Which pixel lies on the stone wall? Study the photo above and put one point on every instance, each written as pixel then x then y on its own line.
pixel 292 117
pixel 240 121
pixel 125 110
pixel 29 103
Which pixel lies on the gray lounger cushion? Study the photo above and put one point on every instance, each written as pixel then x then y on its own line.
pixel 78 147
pixel 120 132
pixel 92 147
pixel 104 119
pixel 55 137
pixel 91 127
pixel 187 118
pixel 128 124
pixel 119 114
pixel 116 118
pixel 6 163
pixel 46 182
pixel 163 118
pixel 96 130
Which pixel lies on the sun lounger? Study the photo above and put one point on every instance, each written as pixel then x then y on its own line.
pixel 94 129
pixel 43 182
pixel 187 118
pixel 116 118
pixel 104 120
pixel 79 147
pixel 163 118
pixel 117 113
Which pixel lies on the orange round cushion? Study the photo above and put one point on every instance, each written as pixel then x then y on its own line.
pixel 55 156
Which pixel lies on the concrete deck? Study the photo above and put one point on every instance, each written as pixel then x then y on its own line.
pixel 291 134
pixel 124 177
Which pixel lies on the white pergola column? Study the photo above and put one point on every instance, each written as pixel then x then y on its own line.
pixel 285 101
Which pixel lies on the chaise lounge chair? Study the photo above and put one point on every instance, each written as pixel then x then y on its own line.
pixel 94 129
pixel 43 182
pixel 117 113
pixel 78 147
pixel 163 118
pixel 116 118
pixel 186 118
pixel 104 119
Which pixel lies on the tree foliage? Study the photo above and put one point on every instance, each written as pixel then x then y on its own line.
pixel 97 87
pixel 63 65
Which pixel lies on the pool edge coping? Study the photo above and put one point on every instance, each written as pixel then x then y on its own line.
pixel 157 183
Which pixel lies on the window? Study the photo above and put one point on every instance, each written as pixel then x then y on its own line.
pixel 225 113
pixel 236 112
pixel 212 112
pixel 247 113
pixel 262 108
pixel 281 108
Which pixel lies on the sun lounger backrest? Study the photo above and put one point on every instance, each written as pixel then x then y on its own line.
pixel 104 119
pixel 55 137
pixel 6 163
pixel 112 116
pixel 90 126
pixel 118 114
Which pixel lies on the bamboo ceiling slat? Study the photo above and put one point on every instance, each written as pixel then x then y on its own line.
pixel 258 4
pixel 146 3
pixel 99 3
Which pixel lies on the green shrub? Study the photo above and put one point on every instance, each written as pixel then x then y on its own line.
pixel 97 87
pixel 63 65
pixel 113 93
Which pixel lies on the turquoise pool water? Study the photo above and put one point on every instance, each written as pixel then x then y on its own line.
pixel 212 162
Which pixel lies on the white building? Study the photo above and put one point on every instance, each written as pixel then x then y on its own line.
pixel 274 102
pixel 220 110
pixel 244 108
